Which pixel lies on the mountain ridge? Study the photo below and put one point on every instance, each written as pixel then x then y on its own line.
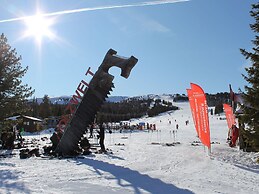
pixel 65 99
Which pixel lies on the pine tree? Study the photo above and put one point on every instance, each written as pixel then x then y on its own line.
pixel 34 108
pixel 13 93
pixel 45 107
pixel 251 96
pixel 218 109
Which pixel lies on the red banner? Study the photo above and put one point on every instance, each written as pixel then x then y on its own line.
pixel 201 114
pixel 192 105
pixel 229 115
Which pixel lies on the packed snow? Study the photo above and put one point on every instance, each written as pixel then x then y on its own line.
pixel 164 161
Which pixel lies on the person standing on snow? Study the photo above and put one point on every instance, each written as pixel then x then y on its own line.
pixel 101 136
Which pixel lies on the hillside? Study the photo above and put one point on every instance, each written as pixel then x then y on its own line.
pixel 118 108
pixel 213 99
pixel 141 162
pixel 135 107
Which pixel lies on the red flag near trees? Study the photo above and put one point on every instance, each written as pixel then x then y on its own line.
pixel 201 114
pixel 229 115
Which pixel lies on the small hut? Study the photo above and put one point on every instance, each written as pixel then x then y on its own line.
pixel 29 124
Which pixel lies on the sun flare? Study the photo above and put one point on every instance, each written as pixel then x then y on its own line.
pixel 38 27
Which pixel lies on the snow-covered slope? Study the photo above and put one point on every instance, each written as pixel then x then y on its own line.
pixel 142 163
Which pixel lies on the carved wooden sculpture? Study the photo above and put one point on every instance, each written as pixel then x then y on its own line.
pixel 99 87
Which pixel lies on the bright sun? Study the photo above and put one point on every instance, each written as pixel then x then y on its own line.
pixel 38 26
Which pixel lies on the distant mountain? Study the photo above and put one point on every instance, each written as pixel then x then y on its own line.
pixel 166 97
pixel 65 99
pixel 116 98
pixel 213 99
pixel 55 100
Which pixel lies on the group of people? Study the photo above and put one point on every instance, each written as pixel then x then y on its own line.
pixel 151 126
pixel 84 144
pixel 8 137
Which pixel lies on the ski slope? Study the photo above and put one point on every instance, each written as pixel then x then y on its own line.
pixel 141 162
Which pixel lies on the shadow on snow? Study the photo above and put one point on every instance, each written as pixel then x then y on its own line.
pixel 9 180
pixel 254 169
pixel 133 178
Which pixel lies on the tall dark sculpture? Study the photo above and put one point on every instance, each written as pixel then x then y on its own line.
pixel 99 87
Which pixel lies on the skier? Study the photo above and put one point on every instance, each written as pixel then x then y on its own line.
pixel 177 126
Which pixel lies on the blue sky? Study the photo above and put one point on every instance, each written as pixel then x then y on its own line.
pixel 176 43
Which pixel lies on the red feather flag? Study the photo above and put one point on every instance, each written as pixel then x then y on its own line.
pixel 200 109
pixel 229 115
pixel 192 105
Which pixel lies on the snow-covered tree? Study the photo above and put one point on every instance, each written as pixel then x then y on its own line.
pixel 251 107
pixel 13 93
